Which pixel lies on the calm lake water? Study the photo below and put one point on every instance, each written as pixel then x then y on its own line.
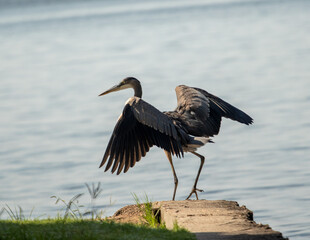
pixel 57 56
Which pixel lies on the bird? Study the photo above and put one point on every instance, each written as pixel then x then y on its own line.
pixel 191 125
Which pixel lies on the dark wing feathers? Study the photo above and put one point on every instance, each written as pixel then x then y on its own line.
pixel 152 117
pixel 139 128
pixel 226 109
pixel 201 112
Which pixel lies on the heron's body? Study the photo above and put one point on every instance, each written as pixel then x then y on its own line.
pixel 141 126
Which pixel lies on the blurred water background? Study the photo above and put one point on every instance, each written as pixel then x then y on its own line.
pixel 57 56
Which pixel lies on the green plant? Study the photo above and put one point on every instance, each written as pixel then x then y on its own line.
pixel 176 227
pixel 72 208
pixel 94 193
pixel 17 214
pixel 76 211
pixel 150 215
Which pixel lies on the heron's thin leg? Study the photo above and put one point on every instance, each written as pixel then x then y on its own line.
pixel 168 154
pixel 194 190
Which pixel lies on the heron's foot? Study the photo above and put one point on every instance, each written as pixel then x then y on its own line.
pixel 194 190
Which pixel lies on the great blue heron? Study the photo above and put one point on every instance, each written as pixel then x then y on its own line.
pixel 196 118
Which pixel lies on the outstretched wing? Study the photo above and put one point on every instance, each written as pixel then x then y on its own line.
pixel 139 127
pixel 202 112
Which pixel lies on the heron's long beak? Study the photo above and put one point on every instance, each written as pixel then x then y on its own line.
pixel 112 89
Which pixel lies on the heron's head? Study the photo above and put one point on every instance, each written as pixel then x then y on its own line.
pixel 129 82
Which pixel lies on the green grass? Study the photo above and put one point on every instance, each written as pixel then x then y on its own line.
pixel 77 222
pixel 63 229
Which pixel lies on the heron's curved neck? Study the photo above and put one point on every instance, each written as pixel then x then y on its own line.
pixel 137 88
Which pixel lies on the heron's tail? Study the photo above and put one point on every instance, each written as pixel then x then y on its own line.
pixel 196 142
